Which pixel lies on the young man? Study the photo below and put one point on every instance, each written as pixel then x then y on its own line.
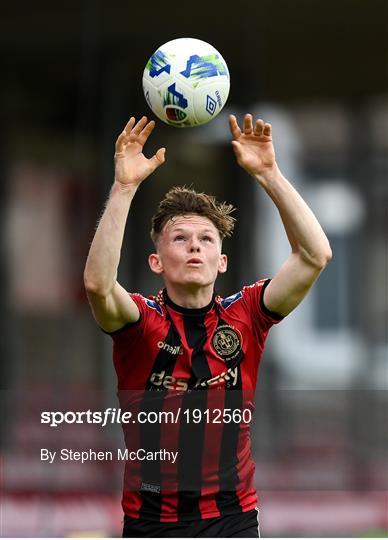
pixel 188 352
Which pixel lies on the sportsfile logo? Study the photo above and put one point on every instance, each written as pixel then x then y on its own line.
pixel 161 380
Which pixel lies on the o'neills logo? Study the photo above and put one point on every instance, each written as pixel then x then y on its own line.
pixel 227 342
pixel 169 348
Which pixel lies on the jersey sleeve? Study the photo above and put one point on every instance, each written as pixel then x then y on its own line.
pixel 253 296
pixel 133 330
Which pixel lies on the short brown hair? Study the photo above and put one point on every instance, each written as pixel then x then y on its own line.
pixel 180 201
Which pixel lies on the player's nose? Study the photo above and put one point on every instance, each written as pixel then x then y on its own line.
pixel 195 244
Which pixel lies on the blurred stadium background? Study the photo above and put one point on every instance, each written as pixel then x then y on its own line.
pixel 71 77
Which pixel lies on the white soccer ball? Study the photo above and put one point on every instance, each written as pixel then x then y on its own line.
pixel 186 82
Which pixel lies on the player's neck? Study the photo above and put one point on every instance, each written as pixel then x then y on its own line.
pixel 191 298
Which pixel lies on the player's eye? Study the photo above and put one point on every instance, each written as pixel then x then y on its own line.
pixel 207 238
pixel 179 237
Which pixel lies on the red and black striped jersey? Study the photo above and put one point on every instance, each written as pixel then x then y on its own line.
pixel 200 366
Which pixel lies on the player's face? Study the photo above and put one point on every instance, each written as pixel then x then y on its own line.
pixel 189 252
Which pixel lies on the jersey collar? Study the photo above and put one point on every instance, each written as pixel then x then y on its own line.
pixel 188 311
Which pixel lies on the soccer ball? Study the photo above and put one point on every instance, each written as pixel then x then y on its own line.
pixel 186 82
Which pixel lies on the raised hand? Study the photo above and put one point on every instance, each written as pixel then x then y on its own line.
pixel 253 146
pixel 131 165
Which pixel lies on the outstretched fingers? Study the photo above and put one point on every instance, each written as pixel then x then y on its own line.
pixel 129 126
pixel 146 132
pixel 263 128
pixel 234 128
pixel 267 130
pixel 137 129
pixel 248 124
pixel 134 132
pixel 259 127
pixel 122 139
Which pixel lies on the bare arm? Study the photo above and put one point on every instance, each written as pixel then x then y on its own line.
pixel 111 305
pixel 310 249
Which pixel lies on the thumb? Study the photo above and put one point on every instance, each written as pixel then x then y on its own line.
pixel 237 149
pixel 158 158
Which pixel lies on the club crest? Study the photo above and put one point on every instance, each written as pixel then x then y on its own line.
pixel 227 342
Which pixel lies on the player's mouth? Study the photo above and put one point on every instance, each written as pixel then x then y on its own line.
pixel 194 262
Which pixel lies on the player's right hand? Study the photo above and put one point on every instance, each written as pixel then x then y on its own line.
pixel 131 165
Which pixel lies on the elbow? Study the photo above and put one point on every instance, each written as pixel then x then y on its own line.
pixel 329 255
pixel 93 287
pixel 324 258
pixel 318 260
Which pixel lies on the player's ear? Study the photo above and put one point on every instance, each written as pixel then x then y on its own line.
pixel 223 263
pixel 155 263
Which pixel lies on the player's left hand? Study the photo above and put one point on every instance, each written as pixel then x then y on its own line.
pixel 253 146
